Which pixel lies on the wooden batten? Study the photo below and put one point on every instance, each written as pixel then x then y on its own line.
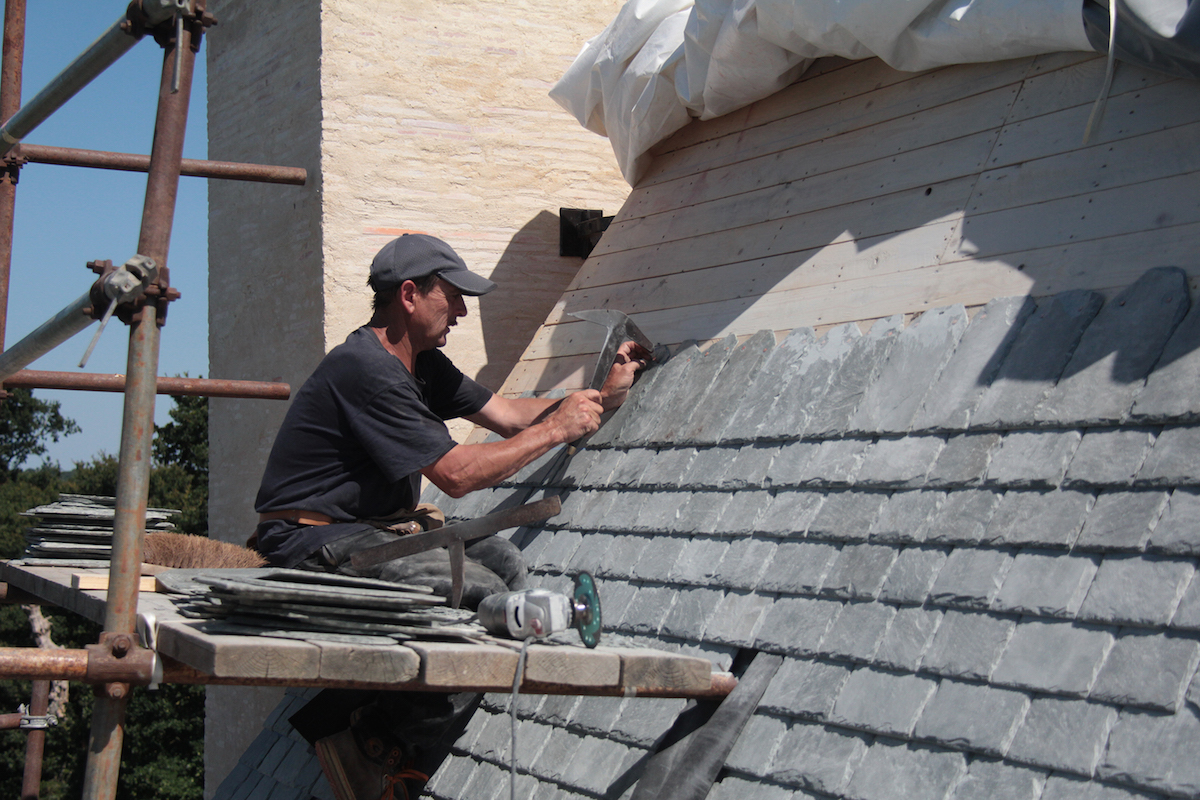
pixel 861 192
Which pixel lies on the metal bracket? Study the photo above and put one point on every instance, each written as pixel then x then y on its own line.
pixel 579 230
pixel 31 723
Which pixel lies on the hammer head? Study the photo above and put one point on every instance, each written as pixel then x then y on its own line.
pixel 621 329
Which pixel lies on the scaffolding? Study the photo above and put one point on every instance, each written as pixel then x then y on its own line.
pixel 137 292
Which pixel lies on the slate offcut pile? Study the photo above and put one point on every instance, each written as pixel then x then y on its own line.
pixel 973 538
pixel 78 528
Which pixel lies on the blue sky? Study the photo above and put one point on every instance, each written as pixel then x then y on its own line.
pixel 67 216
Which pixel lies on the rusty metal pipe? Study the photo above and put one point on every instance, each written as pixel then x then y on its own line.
pixel 11 68
pixel 102 54
pixel 130 162
pixel 137 427
pixel 49 335
pixel 31 663
pixel 195 387
pixel 35 744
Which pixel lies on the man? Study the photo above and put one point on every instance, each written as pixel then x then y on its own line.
pixel 349 457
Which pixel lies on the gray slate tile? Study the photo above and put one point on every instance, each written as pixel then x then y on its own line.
pixel 1169 391
pixel 740 516
pixel 1046 584
pixel 836 462
pixel 967 645
pixel 895 770
pixel 790 466
pixel 817 758
pixel 771 377
pixel 1108 457
pixel 690 612
pixel 1147 670
pixel 907 638
pixel 798 567
pixel 1032 459
pixel 759 740
pixel 848 384
pixel 881 702
pixel 788 514
pixel 697 563
pixel 971 577
pixel 1172 460
pixel 708 468
pixel 914 363
pixel 912 575
pixel 905 517
pixel 650 607
pixel 1070 787
pixel 950 401
pixel 643 411
pixel 701 513
pixel 659 557
pixel 857 632
pixel 643 720
pixel 1121 521
pixel 1038 355
pixel 996 780
pixel 973 717
pixel 1187 615
pixel 1178 529
pixel 1060 658
pixel 734 788
pixel 625 551
pixel 629 468
pixel 736 619
pixel 1066 735
pixel 711 413
pixel 963 518
pixel 796 625
pixel 804 688
pixel 748 469
pixel 1136 590
pixel 1117 351
pixel 807 384
pixel 1155 752
pixel 963 460
pixel 745 562
pixel 667 468
pixel 846 516
pixel 1046 519
pixel 859 571
pixel 899 463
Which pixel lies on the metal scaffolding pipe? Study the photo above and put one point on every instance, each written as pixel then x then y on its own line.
pixel 13 62
pixel 56 330
pixel 35 744
pixel 102 54
pixel 130 162
pixel 137 427
pixel 195 387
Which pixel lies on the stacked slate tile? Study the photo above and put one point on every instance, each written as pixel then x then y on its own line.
pixel 972 537
pixel 78 529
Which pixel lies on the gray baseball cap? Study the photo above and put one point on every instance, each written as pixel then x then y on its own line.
pixel 415 255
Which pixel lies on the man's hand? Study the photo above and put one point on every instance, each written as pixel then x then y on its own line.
pixel 631 357
pixel 577 415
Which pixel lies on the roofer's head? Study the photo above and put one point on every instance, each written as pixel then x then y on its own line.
pixel 417 256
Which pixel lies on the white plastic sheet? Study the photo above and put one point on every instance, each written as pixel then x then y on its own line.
pixel 663 62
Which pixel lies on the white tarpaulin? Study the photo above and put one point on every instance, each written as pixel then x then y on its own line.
pixel 663 62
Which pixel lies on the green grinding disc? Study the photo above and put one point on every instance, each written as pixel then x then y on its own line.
pixel 587 609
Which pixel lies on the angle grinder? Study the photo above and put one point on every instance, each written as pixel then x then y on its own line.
pixel 540 612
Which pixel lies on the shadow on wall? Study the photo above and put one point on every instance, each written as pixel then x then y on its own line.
pixel 530 278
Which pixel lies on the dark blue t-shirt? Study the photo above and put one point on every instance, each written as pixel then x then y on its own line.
pixel 356 438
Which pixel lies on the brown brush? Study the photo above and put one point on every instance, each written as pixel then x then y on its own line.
pixel 186 551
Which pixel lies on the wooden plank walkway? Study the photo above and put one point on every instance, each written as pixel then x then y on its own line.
pixel 487 666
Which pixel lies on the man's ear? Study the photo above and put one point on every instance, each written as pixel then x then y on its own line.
pixel 406 294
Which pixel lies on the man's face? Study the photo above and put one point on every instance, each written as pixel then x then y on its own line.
pixel 435 313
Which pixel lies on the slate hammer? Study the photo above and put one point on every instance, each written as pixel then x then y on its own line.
pixel 621 329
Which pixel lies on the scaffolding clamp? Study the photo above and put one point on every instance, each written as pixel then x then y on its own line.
pixel 123 291
pixel 118 661
pixel 32 723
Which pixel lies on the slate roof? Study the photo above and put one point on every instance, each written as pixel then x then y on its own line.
pixel 973 538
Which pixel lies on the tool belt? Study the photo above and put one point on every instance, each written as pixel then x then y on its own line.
pixel 425 517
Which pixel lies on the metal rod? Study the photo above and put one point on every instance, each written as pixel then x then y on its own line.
pixel 53 332
pixel 137 428
pixel 102 54
pixel 35 744
pixel 196 387
pixel 12 66
pixel 131 162
pixel 32 663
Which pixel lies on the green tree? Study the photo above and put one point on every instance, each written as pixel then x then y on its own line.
pixel 25 425
pixel 162 755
